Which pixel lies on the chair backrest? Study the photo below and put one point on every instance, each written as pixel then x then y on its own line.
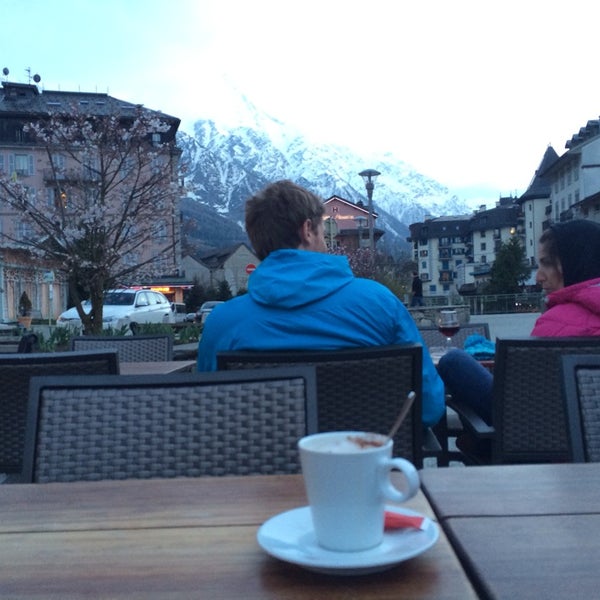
pixel 432 337
pixel 179 425
pixel 15 372
pixel 528 412
pixel 359 389
pixel 581 394
pixel 131 348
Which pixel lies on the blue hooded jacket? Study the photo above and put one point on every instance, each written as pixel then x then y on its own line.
pixel 303 300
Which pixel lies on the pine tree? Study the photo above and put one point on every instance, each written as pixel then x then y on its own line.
pixel 510 269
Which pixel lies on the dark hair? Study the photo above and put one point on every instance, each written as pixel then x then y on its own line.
pixel 575 245
pixel 275 215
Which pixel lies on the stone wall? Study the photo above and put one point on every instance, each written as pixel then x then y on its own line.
pixel 428 316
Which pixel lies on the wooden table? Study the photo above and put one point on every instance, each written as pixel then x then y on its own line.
pixel 183 538
pixel 156 367
pixel 526 531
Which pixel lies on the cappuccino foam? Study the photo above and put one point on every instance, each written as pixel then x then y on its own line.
pixel 347 444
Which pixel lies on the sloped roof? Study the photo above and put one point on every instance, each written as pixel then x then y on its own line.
pixel 359 205
pixel 540 186
pixel 591 130
pixel 27 99
pixel 215 259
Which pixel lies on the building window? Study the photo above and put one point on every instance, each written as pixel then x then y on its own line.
pixel 90 169
pixel 25 231
pixel 58 162
pixel 161 230
pixel 483 246
pixel 23 164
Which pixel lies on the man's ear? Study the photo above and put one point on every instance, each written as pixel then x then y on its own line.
pixel 306 233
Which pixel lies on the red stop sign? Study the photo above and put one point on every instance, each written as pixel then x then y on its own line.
pixel 250 268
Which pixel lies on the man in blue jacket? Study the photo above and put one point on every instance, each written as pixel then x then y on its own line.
pixel 300 297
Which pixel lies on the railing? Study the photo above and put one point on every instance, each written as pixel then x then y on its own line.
pixel 505 303
pixel 491 304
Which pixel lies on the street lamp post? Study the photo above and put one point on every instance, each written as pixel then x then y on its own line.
pixel 369 176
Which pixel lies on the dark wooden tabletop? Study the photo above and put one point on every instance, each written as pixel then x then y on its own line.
pixel 530 557
pixel 184 538
pixel 527 531
pixel 513 490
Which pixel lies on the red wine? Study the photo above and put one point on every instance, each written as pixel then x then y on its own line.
pixel 449 330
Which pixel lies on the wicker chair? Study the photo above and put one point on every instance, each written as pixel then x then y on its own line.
pixel 180 425
pixel 15 372
pixel 131 348
pixel 358 388
pixel 581 393
pixel 529 418
pixel 432 337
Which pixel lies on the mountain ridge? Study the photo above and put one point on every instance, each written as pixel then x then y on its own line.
pixel 226 164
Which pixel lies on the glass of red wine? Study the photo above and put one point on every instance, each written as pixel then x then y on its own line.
pixel 448 326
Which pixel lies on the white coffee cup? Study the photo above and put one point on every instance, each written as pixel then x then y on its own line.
pixel 347 480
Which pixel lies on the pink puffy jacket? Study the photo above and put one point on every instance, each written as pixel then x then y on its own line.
pixel 573 310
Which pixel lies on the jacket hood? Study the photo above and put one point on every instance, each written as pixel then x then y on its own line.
pixel 578 244
pixel 294 278
pixel 586 294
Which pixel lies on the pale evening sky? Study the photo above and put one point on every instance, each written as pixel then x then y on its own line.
pixel 468 92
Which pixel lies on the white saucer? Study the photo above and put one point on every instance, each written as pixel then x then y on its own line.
pixel 289 536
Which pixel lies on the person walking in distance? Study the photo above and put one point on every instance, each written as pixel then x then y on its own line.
pixel 417 290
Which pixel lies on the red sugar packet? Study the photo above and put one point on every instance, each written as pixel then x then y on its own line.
pixel 394 520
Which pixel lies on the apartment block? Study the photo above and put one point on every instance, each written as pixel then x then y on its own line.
pixel 454 254
pixel 25 161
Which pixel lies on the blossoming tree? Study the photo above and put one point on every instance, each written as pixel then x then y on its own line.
pixel 108 213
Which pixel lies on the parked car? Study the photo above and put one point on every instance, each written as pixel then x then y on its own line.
pixel 125 307
pixel 179 312
pixel 190 317
pixel 205 309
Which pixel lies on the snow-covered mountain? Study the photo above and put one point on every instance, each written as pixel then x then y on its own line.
pixel 225 164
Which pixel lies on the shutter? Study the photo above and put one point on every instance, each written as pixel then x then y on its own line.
pixel 30 157
pixel 11 164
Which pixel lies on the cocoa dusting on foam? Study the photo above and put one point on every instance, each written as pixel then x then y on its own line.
pixel 362 442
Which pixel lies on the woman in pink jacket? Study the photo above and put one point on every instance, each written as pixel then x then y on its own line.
pixel 569 273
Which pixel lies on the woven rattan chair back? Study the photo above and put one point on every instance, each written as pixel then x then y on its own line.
pixel 581 394
pixel 357 389
pixel 179 425
pixel 528 412
pixel 432 337
pixel 131 348
pixel 16 370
